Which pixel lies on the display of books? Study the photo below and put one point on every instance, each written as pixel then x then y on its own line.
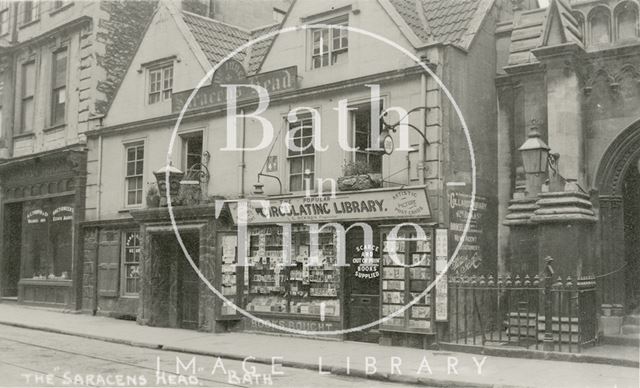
pixel 405 279
pixel 303 287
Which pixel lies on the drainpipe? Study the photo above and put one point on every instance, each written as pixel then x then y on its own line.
pixel 423 124
pixel 99 186
pixel 242 162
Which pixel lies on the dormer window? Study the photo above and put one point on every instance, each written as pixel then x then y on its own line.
pixel 160 83
pixel 329 44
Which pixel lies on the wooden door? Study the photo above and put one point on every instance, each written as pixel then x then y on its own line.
pixel 363 287
pixel 189 284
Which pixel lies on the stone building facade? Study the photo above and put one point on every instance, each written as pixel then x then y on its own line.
pixel 62 63
pixel 571 72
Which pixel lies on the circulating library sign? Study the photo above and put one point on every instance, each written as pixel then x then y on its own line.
pixel 378 204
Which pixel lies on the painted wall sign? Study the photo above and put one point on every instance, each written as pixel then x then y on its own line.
pixel 470 256
pixel 62 213
pixel 276 81
pixel 366 266
pixel 377 204
pixel 297 324
pixel 37 216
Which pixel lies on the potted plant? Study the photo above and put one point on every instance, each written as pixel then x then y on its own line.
pixel 358 176
pixel 153 195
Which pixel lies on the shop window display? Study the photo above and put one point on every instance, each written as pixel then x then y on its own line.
pixel 47 240
pixel 405 279
pixel 298 288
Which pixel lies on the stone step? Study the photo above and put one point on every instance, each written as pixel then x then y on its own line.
pixel 630 329
pixel 633 319
pixel 621 340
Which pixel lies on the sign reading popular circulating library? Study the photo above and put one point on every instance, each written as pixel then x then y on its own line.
pixel 402 204
pixel 232 72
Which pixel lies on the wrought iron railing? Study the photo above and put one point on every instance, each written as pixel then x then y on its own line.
pixel 488 310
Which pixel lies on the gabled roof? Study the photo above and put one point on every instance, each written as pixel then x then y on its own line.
pixel 217 39
pixel 542 27
pixel 454 22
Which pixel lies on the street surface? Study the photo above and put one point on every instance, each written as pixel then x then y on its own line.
pixel 32 358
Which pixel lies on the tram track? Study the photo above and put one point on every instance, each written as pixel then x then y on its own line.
pixel 100 358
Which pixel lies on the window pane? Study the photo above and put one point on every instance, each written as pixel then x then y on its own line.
pixel 296 166
pixel 375 162
pixel 60 68
pixel 4 22
pixel 28 79
pixel 27 115
pixel 58 106
pixel 295 183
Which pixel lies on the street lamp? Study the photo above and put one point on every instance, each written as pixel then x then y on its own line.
pixel 536 158
pixel 535 153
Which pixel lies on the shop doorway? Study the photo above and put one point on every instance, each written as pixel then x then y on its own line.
pixel 631 204
pixel 362 297
pixel 174 285
pixel 13 242
pixel 188 283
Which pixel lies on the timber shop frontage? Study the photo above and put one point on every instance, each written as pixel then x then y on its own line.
pixel 42 205
pixel 328 280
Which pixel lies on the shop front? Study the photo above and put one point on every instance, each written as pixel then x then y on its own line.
pixel 343 276
pixel 42 203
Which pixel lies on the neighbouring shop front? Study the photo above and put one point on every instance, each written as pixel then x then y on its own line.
pixel 346 287
pixel 42 204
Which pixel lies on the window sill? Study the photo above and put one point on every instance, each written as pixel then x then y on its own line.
pixel 130 296
pixel 54 128
pixel 25 25
pixel 129 208
pixel 24 135
pixel 60 9
pixel 6 34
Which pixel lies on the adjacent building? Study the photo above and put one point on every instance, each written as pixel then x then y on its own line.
pixel 571 79
pixel 61 66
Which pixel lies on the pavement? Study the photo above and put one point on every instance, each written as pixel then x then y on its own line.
pixel 31 358
pixel 382 363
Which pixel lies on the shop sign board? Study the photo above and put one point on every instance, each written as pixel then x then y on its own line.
pixel 298 324
pixel 441 285
pixel 274 82
pixel 63 213
pixel 470 255
pixel 37 216
pixel 407 203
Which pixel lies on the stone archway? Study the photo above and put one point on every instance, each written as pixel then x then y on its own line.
pixel 620 157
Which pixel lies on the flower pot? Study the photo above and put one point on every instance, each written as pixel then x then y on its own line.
pixel 359 182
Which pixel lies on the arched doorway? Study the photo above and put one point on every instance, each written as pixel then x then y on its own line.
pixel 618 183
pixel 631 211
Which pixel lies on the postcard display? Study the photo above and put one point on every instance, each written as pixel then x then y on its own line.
pixel 229 276
pixel 401 284
pixel 298 289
